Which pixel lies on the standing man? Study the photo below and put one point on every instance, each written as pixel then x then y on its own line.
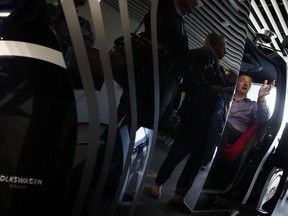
pixel 196 111
pixel 171 32
pixel 172 36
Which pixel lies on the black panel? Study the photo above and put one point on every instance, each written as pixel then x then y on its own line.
pixel 38 124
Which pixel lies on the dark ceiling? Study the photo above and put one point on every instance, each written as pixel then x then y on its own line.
pixel 231 18
pixel 220 16
pixel 227 17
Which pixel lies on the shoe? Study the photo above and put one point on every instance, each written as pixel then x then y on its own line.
pixel 179 203
pixel 156 190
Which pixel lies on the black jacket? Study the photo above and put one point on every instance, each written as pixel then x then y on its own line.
pixel 171 32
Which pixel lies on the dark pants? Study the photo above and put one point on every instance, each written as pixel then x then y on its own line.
pixel 215 129
pixel 230 135
pixel 218 175
pixel 188 142
pixel 188 173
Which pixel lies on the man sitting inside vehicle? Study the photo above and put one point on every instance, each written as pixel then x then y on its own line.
pixel 243 111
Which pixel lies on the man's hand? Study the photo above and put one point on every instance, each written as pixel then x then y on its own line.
pixel 265 90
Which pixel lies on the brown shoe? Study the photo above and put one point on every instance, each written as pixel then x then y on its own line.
pixel 179 203
pixel 156 190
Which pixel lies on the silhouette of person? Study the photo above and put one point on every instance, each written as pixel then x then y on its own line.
pixel 221 98
pixel 171 35
pixel 195 115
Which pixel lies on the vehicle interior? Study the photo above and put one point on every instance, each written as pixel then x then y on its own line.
pixel 62 150
pixel 240 160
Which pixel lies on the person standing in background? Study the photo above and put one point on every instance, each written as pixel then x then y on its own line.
pixel 195 114
pixel 224 78
pixel 172 37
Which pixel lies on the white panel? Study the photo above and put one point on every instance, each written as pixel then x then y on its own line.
pixel 271 19
pixel 23 49
pixel 280 16
pixel 262 20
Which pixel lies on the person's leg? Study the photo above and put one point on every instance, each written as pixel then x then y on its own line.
pixel 214 135
pixel 189 173
pixel 230 135
pixel 185 181
pixel 190 170
pixel 176 154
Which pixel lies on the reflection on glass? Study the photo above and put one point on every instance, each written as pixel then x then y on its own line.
pixel 37 107
pixel 37 114
pixel 52 80
pixel 114 30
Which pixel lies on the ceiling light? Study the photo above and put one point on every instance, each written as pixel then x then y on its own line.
pixel 4 14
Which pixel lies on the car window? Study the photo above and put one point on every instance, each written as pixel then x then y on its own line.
pixel 270 99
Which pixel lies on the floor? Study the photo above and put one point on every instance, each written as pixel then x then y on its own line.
pixel 147 205
pixel 282 207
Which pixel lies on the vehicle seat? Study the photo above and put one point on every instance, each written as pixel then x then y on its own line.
pixel 232 151
pixel 224 172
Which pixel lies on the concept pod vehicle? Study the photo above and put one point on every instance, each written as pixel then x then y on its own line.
pixel 251 174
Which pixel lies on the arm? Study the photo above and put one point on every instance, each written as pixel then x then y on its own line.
pixel 262 114
pixel 264 91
